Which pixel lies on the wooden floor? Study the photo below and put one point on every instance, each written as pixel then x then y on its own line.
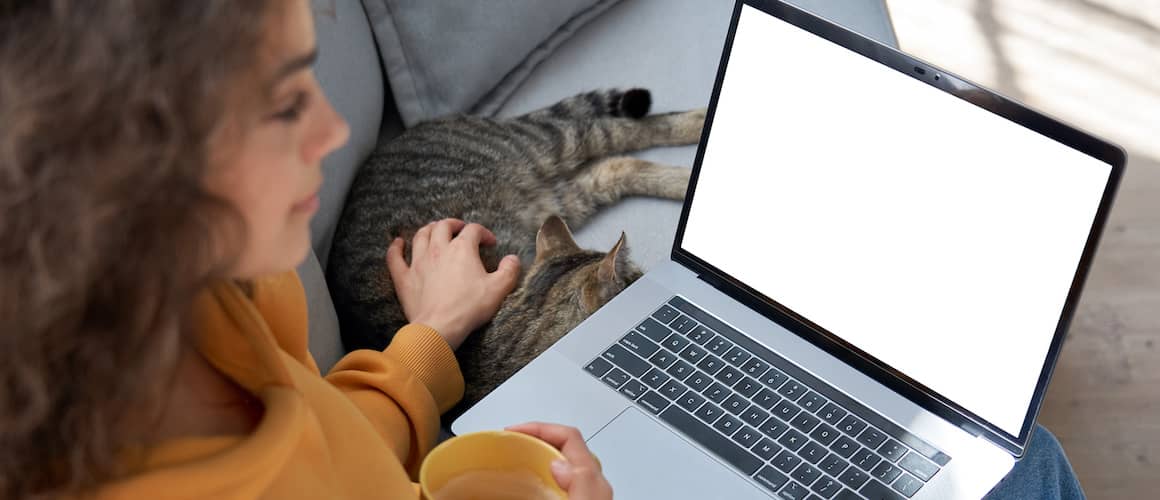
pixel 1095 64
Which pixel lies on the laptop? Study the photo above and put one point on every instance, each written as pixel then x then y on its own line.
pixel 875 266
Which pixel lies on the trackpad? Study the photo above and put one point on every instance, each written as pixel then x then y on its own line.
pixel 643 459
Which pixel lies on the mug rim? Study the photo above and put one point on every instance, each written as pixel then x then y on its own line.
pixel 499 433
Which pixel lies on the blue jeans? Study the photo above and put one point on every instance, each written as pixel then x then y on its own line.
pixel 1044 472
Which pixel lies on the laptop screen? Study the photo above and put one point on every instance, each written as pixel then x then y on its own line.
pixel 931 234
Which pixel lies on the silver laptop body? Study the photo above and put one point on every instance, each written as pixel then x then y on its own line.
pixel 874 270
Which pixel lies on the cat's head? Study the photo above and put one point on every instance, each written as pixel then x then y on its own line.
pixel 567 283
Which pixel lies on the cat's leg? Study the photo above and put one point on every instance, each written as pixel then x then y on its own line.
pixel 605 123
pixel 608 180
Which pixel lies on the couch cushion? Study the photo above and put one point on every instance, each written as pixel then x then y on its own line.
pixel 671 47
pixel 349 72
pixel 453 56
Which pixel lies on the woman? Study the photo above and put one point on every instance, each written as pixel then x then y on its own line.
pixel 159 164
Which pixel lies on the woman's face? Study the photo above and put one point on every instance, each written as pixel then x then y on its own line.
pixel 269 165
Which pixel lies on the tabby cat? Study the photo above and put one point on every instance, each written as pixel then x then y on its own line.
pixel 510 175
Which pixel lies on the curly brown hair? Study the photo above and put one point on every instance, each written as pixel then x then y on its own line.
pixel 107 109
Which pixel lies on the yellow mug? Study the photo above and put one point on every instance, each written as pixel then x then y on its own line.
pixel 491 465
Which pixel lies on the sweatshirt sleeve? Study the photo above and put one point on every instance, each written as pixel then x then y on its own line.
pixel 403 389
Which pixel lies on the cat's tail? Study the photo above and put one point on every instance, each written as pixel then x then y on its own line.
pixel 631 103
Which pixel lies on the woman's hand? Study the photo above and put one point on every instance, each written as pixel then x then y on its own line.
pixel 446 286
pixel 580 475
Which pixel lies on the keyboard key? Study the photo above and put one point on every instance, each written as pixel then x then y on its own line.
pixel 639 344
pixel 806 474
pixel 665 314
pixel 875 489
pixel 699 381
pixel 683 324
pixel 885 472
pixel 793 491
pixel 728 376
pixel 773 378
pixel 844 447
pixel 727 425
pixel 755 367
pixel 680 370
pixel 719 345
pixel 785 410
pixel 747 387
pixel 633 389
pixel 709 413
pixel 615 378
pixel 792 440
pixel 672 390
pixel 655 378
pixel 716 392
pixel 663 358
pixel 653 330
pixel 853 477
pixel 865 459
pixel 872 438
pixel 915 464
pixel 701 335
pixel 833 465
pixel 766 448
pixel 652 402
pixel 846 494
pixel 826 487
pixel 851 425
pixel 690 401
pixel 786 461
pixel 824 434
pixel 627 361
pixel 676 342
pixel 812 402
pixel 892 450
pixel 736 356
pixel 832 414
pixel 598 367
pixel 812 452
pixel 721 446
pixel 747 436
pixel 792 390
pixel 774 428
pixel 804 422
pixel 766 398
pixel 754 416
pixel 693 354
pixel 735 404
pixel 907 485
pixel 711 364
pixel 770 478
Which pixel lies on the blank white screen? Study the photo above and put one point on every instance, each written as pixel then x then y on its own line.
pixel 931 234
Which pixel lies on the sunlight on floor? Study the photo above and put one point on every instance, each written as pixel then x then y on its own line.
pixel 1092 63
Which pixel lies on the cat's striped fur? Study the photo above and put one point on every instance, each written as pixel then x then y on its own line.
pixel 509 175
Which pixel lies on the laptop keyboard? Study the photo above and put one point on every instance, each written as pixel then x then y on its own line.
pixel 791 433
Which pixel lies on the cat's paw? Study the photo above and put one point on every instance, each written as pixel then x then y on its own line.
pixel 688 125
pixel 634 103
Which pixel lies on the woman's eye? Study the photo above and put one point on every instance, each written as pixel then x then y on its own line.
pixel 292 112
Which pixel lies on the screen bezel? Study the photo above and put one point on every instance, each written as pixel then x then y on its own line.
pixel 960 88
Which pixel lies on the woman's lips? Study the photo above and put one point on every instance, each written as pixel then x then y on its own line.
pixel 307 205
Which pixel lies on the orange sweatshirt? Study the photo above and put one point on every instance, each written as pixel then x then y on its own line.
pixel 360 432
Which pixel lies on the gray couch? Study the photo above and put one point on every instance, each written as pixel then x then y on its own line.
pixel 669 46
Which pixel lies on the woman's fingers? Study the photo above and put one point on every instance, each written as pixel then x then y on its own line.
pixel 396 264
pixel 420 242
pixel 566 439
pixel 444 230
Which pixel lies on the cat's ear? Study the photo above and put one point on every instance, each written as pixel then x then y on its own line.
pixel 554 238
pixel 613 263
